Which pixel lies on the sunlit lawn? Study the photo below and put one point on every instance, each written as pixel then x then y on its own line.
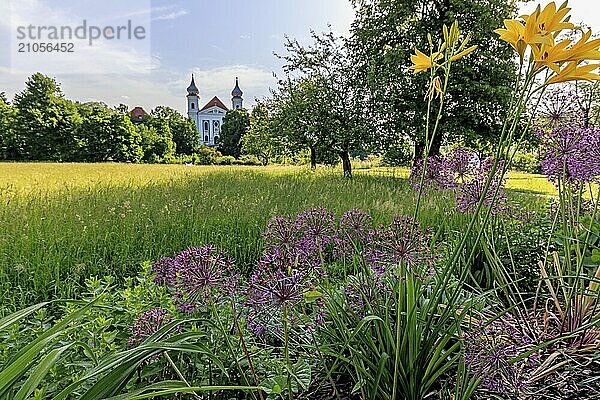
pixel 62 223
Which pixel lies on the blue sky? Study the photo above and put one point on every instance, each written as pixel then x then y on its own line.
pixel 217 40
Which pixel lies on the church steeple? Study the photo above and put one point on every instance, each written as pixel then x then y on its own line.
pixel 236 96
pixel 193 98
pixel 193 89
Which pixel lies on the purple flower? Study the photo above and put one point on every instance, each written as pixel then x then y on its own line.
pixel 147 324
pixel 202 274
pixel 197 275
pixel 271 294
pixel 403 241
pixel 470 192
pixel 437 175
pixel 318 225
pixel 571 154
pixel 354 233
pixel 164 271
pixel 461 162
pixel 489 351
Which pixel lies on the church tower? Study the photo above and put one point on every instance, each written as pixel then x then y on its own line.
pixel 193 99
pixel 236 96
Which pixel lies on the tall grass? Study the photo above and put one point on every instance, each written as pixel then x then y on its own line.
pixel 62 223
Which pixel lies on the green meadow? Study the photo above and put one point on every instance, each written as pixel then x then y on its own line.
pixel 62 223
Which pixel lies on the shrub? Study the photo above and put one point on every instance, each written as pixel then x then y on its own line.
pixel 206 156
pixel 225 160
pixel 526 162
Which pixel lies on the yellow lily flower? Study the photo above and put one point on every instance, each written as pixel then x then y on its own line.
pixel 422 62
pixel 550 20
pixel 463 53
pixel 574 73
pixel 514 34
pixel 550 56
pixel 542 26
pixel 584 50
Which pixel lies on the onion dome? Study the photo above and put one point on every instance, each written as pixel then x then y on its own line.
pixel 237 92
pixel 193 89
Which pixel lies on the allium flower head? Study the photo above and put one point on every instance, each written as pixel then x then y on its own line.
pixel 272 293
pixel 437 175
pixel 470 192
pixel 570 153
pixel 164 272
pixel 147 324
pixel 460 162
pixel 354 234
pixel 403 241
pixel 202 273
pixel 318 225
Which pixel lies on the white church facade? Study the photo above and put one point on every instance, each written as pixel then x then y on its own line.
pixel 209 118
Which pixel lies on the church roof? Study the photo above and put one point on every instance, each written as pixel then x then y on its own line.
pixel 193 89
pixel 138 113
pixel 237 92
pixel 215 102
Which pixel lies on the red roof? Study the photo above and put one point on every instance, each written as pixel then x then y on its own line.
pixel 215 102
pixel 138 113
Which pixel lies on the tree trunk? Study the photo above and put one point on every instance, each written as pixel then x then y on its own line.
pixel 346 163
pixel 434 151
pixel 313 158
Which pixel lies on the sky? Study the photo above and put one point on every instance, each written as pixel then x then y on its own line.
pixel 217 40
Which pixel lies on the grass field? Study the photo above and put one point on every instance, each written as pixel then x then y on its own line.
pixel 62 223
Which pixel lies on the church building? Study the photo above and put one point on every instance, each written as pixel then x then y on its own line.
pixel 209 118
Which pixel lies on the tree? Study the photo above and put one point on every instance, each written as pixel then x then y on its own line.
pixel 157 140
pixel 107 135
pixel 261 139
pixel 183 130
pixel 327 73
pixel 8 114
pixel 46 121
pixel 235 125
pixel 385 33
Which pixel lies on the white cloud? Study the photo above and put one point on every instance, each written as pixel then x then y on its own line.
pixel 171 15
pixel 254 82
pixel 104 56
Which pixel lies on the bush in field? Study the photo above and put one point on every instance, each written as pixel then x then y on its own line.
pixel 206 156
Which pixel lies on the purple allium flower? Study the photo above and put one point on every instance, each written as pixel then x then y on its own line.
pixel 202 274
pixel 461 162
pixel 273 293
pixel 147 324
pixel 571 154
pixel 403 241
pixel 471 191
pixel 559 108
pixel 300 242
pixel 281 234
pixel 437 175
pixel 164 271
pixel 354 233
pixel 489 351
pixel 318 225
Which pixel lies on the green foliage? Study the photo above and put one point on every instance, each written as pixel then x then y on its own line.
pixel 105 135
pixel 526 162
pixel 45 122
pixel 384 34
pixel 206 156
pixel 398 154
pixel 235 126
pixel 262 140
pixel 8 115
pixel 183 130
pixel 327 101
